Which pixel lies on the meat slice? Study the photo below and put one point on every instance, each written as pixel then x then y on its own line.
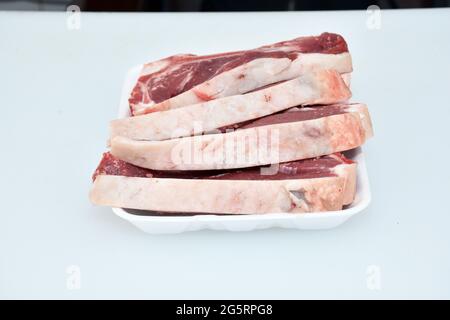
pixel 318 87
pixel 306 133
pixel 187 79
pixel 312 185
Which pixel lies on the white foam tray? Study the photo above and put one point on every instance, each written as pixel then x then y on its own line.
pixel 306 221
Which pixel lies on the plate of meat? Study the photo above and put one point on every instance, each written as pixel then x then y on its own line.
pixel 239 141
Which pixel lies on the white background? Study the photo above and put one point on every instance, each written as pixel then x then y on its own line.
pixel 59 88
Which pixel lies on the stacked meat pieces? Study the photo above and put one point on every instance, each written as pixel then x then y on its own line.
pixel 247 132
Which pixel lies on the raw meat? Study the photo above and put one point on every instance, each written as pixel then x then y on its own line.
pixel 304 133
pixel 318 87
pixel 187 79
pixel 312 185
pixel 247 132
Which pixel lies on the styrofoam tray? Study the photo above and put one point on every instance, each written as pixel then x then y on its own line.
pixel 177 224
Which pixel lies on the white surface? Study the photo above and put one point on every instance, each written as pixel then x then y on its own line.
pixel 174 224
pixel 58 87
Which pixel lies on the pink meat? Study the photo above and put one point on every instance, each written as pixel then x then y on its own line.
pixel 174 75
pixel 302 169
